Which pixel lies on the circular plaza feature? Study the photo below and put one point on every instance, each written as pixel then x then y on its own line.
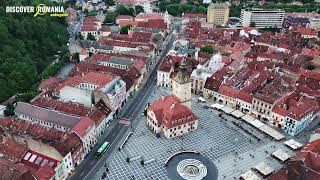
pixel 191 169
pixel 190 166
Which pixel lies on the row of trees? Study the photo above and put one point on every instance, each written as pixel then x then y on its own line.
pixel 28 46
pixel 291 7
pixel 122 10
pixel 175 8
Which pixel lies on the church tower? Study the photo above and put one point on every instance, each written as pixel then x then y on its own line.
pixel 181 85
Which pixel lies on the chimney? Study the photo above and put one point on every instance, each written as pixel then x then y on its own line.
pixel 162 98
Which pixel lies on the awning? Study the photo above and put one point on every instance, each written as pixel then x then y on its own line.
pixel 256 123
pixel 281 155
pixel 271 132
pixel 237 113
pixel 264 169
pixel 250 175
pixel 247 118
pixel 292 144
pixel 227 109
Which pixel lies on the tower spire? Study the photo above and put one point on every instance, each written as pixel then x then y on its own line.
pixel 182 76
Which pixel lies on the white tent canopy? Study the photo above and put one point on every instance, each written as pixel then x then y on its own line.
pixel 294 145
pixel 257 123
pixel 281 155
pixel 237 113
pixel 227 109
pixel 262 127
pixel 217 106
pixel 264 169
pixel 248 118
pixel 250 175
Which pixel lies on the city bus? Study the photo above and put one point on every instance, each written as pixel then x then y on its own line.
pixel 103 148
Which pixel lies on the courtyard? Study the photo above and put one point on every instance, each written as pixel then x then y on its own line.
pixel 232 150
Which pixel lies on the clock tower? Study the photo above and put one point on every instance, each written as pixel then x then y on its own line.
pixel 181 85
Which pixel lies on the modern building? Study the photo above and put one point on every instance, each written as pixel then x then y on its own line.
pixel 262 18
pixel 218 13
pixel 171 115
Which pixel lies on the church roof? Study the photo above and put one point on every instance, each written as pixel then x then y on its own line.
pixel 170 113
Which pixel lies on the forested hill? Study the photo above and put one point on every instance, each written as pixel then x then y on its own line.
pixel 27 47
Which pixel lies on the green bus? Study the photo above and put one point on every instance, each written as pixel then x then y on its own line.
pixel 103 148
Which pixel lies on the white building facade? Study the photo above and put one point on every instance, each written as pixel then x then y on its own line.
pixel 262 18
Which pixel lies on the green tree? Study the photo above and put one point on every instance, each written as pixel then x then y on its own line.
pixel 91 37
pixel 109 2
pixel 139 9
pixel 80 36
pixel 252 24
pixel 124 10
pixel 208 49
pixel 124 29
pixel 9 111
pixel 75 57
pixel 110 17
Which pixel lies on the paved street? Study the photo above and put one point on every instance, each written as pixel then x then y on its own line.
pixel 216 139
pixel 90 164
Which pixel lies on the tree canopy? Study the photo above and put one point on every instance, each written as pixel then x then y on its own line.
pixel 139 9
pixel 28 46
pixel 91 37
pixel 207 48
pixel 124 10
pixel 124 29
pixel 110 17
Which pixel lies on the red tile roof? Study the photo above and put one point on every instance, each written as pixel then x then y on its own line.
pixel 305 31
pixel 149 16
pixel 89 28
pixel 153 23
pixel 12 149
pixel 213 83
pixel 34 130
pixel 70 142
pixel 45 173
pixel 275 90
pixel 95 78
pixel 105 28
pixel 130 76
pixel 67 107
pixel 15 171
pixel 228 91
pixel 168 111
pixel 83 126
pixel 169 61
pixel 195 15
pixel 49 84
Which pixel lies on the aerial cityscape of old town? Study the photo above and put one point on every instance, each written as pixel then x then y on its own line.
pixel 159 90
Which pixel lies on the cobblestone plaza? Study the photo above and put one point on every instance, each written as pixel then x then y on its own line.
pixel 230 148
